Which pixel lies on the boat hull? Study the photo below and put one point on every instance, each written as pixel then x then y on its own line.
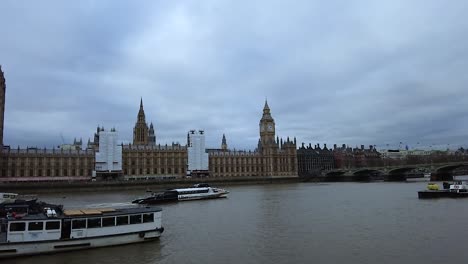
pixel 441 194
pixel 8 250
pixel 201 197
pixel 154 201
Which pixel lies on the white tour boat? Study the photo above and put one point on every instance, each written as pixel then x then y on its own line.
pixel 8 197
pixel 35 228
pixel 198 193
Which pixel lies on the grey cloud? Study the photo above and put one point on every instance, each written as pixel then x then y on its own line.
pixel 360 72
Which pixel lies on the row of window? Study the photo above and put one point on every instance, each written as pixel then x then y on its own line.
pixel 53 161
pixel 98 222
pixel 155 171
pixel 156 161
pixel 48 172
pixel 194 191
pixel 34 226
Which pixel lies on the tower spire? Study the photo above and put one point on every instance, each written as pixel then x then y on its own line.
pixel 266 107
pixel 224 143
pixel 140 131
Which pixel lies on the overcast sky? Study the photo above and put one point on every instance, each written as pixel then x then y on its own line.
pixel 345 72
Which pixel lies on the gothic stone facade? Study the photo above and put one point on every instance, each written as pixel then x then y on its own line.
pixel 142 135
pixel 46 164
pixel 144 158
pixel 271 158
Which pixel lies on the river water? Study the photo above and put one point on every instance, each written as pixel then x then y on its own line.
pixel 290 223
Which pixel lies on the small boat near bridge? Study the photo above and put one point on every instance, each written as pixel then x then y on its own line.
pixel 457 189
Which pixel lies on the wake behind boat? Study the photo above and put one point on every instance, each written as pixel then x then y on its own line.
pixel 198 192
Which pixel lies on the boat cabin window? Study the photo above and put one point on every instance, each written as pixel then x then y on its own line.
pixel 135 219
pixel 194 191
pixel 108 221
pixel 147 218
pixel 52 225
pixel 94 222
pixel 122 220
pixel 35 226
pixel 79 224
pixel 20 226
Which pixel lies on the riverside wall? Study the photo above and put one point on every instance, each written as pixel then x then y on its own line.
pixel 116 185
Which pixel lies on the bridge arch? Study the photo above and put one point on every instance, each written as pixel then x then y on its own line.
pixel 365 174
pixel 450 168
pixel 445 173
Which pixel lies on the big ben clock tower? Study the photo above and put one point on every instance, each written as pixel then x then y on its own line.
pixel 267 127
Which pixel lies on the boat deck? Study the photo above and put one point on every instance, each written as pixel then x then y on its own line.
pixel 441 194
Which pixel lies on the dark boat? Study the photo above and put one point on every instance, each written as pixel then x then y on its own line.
pixel 457 189
pixel 158 198
pixel 441 194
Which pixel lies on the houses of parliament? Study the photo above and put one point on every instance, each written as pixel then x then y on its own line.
pixel 145 157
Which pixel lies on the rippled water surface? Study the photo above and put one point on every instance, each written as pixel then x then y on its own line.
pixel 290 223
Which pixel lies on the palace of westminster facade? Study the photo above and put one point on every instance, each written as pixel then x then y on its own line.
pixel 145 158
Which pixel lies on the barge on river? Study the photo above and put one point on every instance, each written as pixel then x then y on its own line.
pixel 457 189
pixel 37 228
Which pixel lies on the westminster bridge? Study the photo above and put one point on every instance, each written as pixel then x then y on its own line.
pixel 438 171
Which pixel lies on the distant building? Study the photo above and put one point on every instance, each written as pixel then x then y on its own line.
pixel 94 145
pixel 46 164
pixel 348 158
pixel 313 160
pixel 224 145
pixel 197 156
pixel 75 146
pixel 144 159
pixel 109 156
pixel 273 157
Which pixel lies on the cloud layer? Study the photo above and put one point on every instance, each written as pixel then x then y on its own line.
pixel 360 72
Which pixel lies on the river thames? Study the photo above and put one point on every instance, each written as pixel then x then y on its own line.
pixel 289 223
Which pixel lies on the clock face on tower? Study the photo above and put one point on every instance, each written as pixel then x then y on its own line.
pixel 270 127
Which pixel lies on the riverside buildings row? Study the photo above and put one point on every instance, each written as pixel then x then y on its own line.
pixel 145 158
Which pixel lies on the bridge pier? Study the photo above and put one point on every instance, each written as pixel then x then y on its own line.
pixel 442 176
pixel 361 177
pixel 394 177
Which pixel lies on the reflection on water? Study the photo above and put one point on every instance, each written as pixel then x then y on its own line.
pixel 302 223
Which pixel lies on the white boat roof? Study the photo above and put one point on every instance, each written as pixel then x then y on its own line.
pixel 192 189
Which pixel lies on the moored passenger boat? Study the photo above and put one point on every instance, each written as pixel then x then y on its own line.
pixel 29 229
pixel 457 189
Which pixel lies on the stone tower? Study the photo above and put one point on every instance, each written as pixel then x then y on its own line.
pixel 223 143
pixel 151 136
pixel 141 131
pixel 267 128
pixel 2 105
